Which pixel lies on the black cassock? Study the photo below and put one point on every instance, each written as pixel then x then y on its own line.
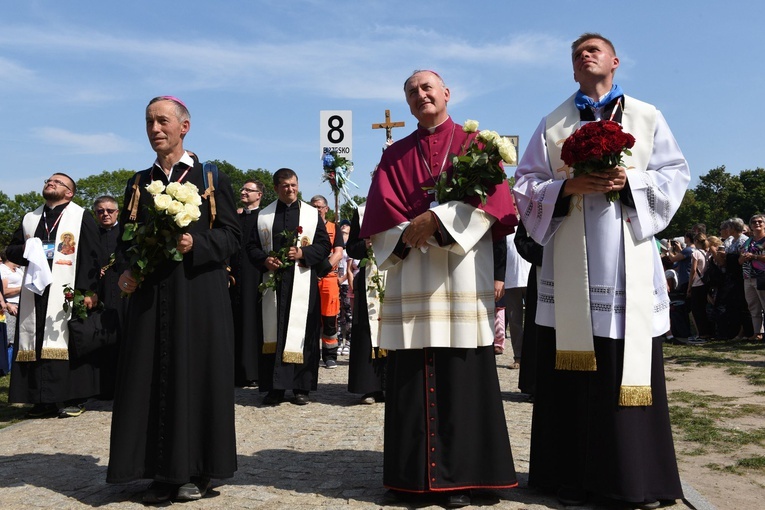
pixel 173 412
pixel 244 300
pixel 109 294
pixel 581 438
pixel 50 381
pixel 274 374
pixel 365 373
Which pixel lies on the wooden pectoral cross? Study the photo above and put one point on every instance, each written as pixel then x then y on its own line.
pixel 388 126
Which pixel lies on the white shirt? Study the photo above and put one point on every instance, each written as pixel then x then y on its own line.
pixel 13 280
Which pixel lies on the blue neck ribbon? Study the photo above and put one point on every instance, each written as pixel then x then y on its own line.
pixel 582 101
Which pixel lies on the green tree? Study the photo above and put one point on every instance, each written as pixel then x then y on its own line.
pixel 239 177
pixel 106 183
pixel 346 210
pixel 753 199
pixel 13 211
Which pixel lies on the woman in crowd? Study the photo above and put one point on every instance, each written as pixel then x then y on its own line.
pixel 697 290
pixel 752 260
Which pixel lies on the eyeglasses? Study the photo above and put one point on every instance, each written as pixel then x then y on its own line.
pixel 248 190
pixel 755 222
pixel 57 183
pixel 105 211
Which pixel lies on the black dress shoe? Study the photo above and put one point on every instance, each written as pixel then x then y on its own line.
pixel 195 489
pixel 159 492
pixel 300 399
pixel 273 398
pixel 457 500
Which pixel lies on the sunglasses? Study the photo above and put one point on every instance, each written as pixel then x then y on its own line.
pixel 105 211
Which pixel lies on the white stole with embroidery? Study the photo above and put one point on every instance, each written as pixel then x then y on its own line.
pixel 55 330
pixel 301 286
pixel 572 302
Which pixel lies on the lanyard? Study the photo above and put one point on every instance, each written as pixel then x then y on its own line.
pixel 45 223
pixel 180 179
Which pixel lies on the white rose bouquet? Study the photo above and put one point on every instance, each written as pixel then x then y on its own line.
pixel 479 168
pixel 155 241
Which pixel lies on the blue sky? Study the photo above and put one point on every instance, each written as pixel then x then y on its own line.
pixel 75 76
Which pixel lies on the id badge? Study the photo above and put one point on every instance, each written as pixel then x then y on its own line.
pixel 49 247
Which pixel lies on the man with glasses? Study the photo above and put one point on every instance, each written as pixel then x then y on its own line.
pixel 243 289
pixel 43 373
pixel 107 212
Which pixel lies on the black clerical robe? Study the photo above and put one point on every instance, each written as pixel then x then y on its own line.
pixel 274 373
pixel 244 300
pixel 173 412
pixel 48 381
pixel 365 372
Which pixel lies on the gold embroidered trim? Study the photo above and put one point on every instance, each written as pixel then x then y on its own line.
pixel 575 360
pixel 54 353
pixel 635 396
pixel 293 357
pixel 26 356
pixel 269 348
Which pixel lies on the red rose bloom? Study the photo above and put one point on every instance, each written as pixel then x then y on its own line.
pixel 597 146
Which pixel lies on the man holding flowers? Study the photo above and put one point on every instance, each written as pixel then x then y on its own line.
pixel 288 244
pixel 44 374
pixel 601 423
pixel 438 312
pixel 173 418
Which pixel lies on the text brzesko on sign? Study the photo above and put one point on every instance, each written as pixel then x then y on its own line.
pixel 336 132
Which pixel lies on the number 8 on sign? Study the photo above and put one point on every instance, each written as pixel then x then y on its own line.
pixel 335 132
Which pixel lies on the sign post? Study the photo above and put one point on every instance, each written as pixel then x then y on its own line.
pixel 336 134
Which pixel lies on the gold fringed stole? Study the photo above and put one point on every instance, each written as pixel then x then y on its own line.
pixel 635 396
pixel 26 356
pixel 575 360
pixel 293 357
pixel 54 353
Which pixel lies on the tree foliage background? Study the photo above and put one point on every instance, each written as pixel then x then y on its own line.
pixel 718 196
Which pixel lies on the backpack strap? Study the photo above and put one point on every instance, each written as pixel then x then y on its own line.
pixel 210 175
pixel 134 198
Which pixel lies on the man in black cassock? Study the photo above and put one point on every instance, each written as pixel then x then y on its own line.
pixel 245 277
pixel 366 364
pixel 44 371
pixel 289 243
pixel 107 211
pixel 173 418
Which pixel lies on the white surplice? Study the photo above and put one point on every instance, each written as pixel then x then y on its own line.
pixel 657 192
pixel 444 296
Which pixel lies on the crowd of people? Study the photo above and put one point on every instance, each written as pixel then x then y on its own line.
pixel 717 283
pixel 263 296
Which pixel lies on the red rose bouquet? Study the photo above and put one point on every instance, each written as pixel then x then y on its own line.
pixel 595 147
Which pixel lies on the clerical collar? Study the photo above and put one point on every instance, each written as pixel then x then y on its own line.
pixel 436 129
pixel 186 159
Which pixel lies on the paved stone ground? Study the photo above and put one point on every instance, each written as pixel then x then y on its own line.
pixel 327 454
